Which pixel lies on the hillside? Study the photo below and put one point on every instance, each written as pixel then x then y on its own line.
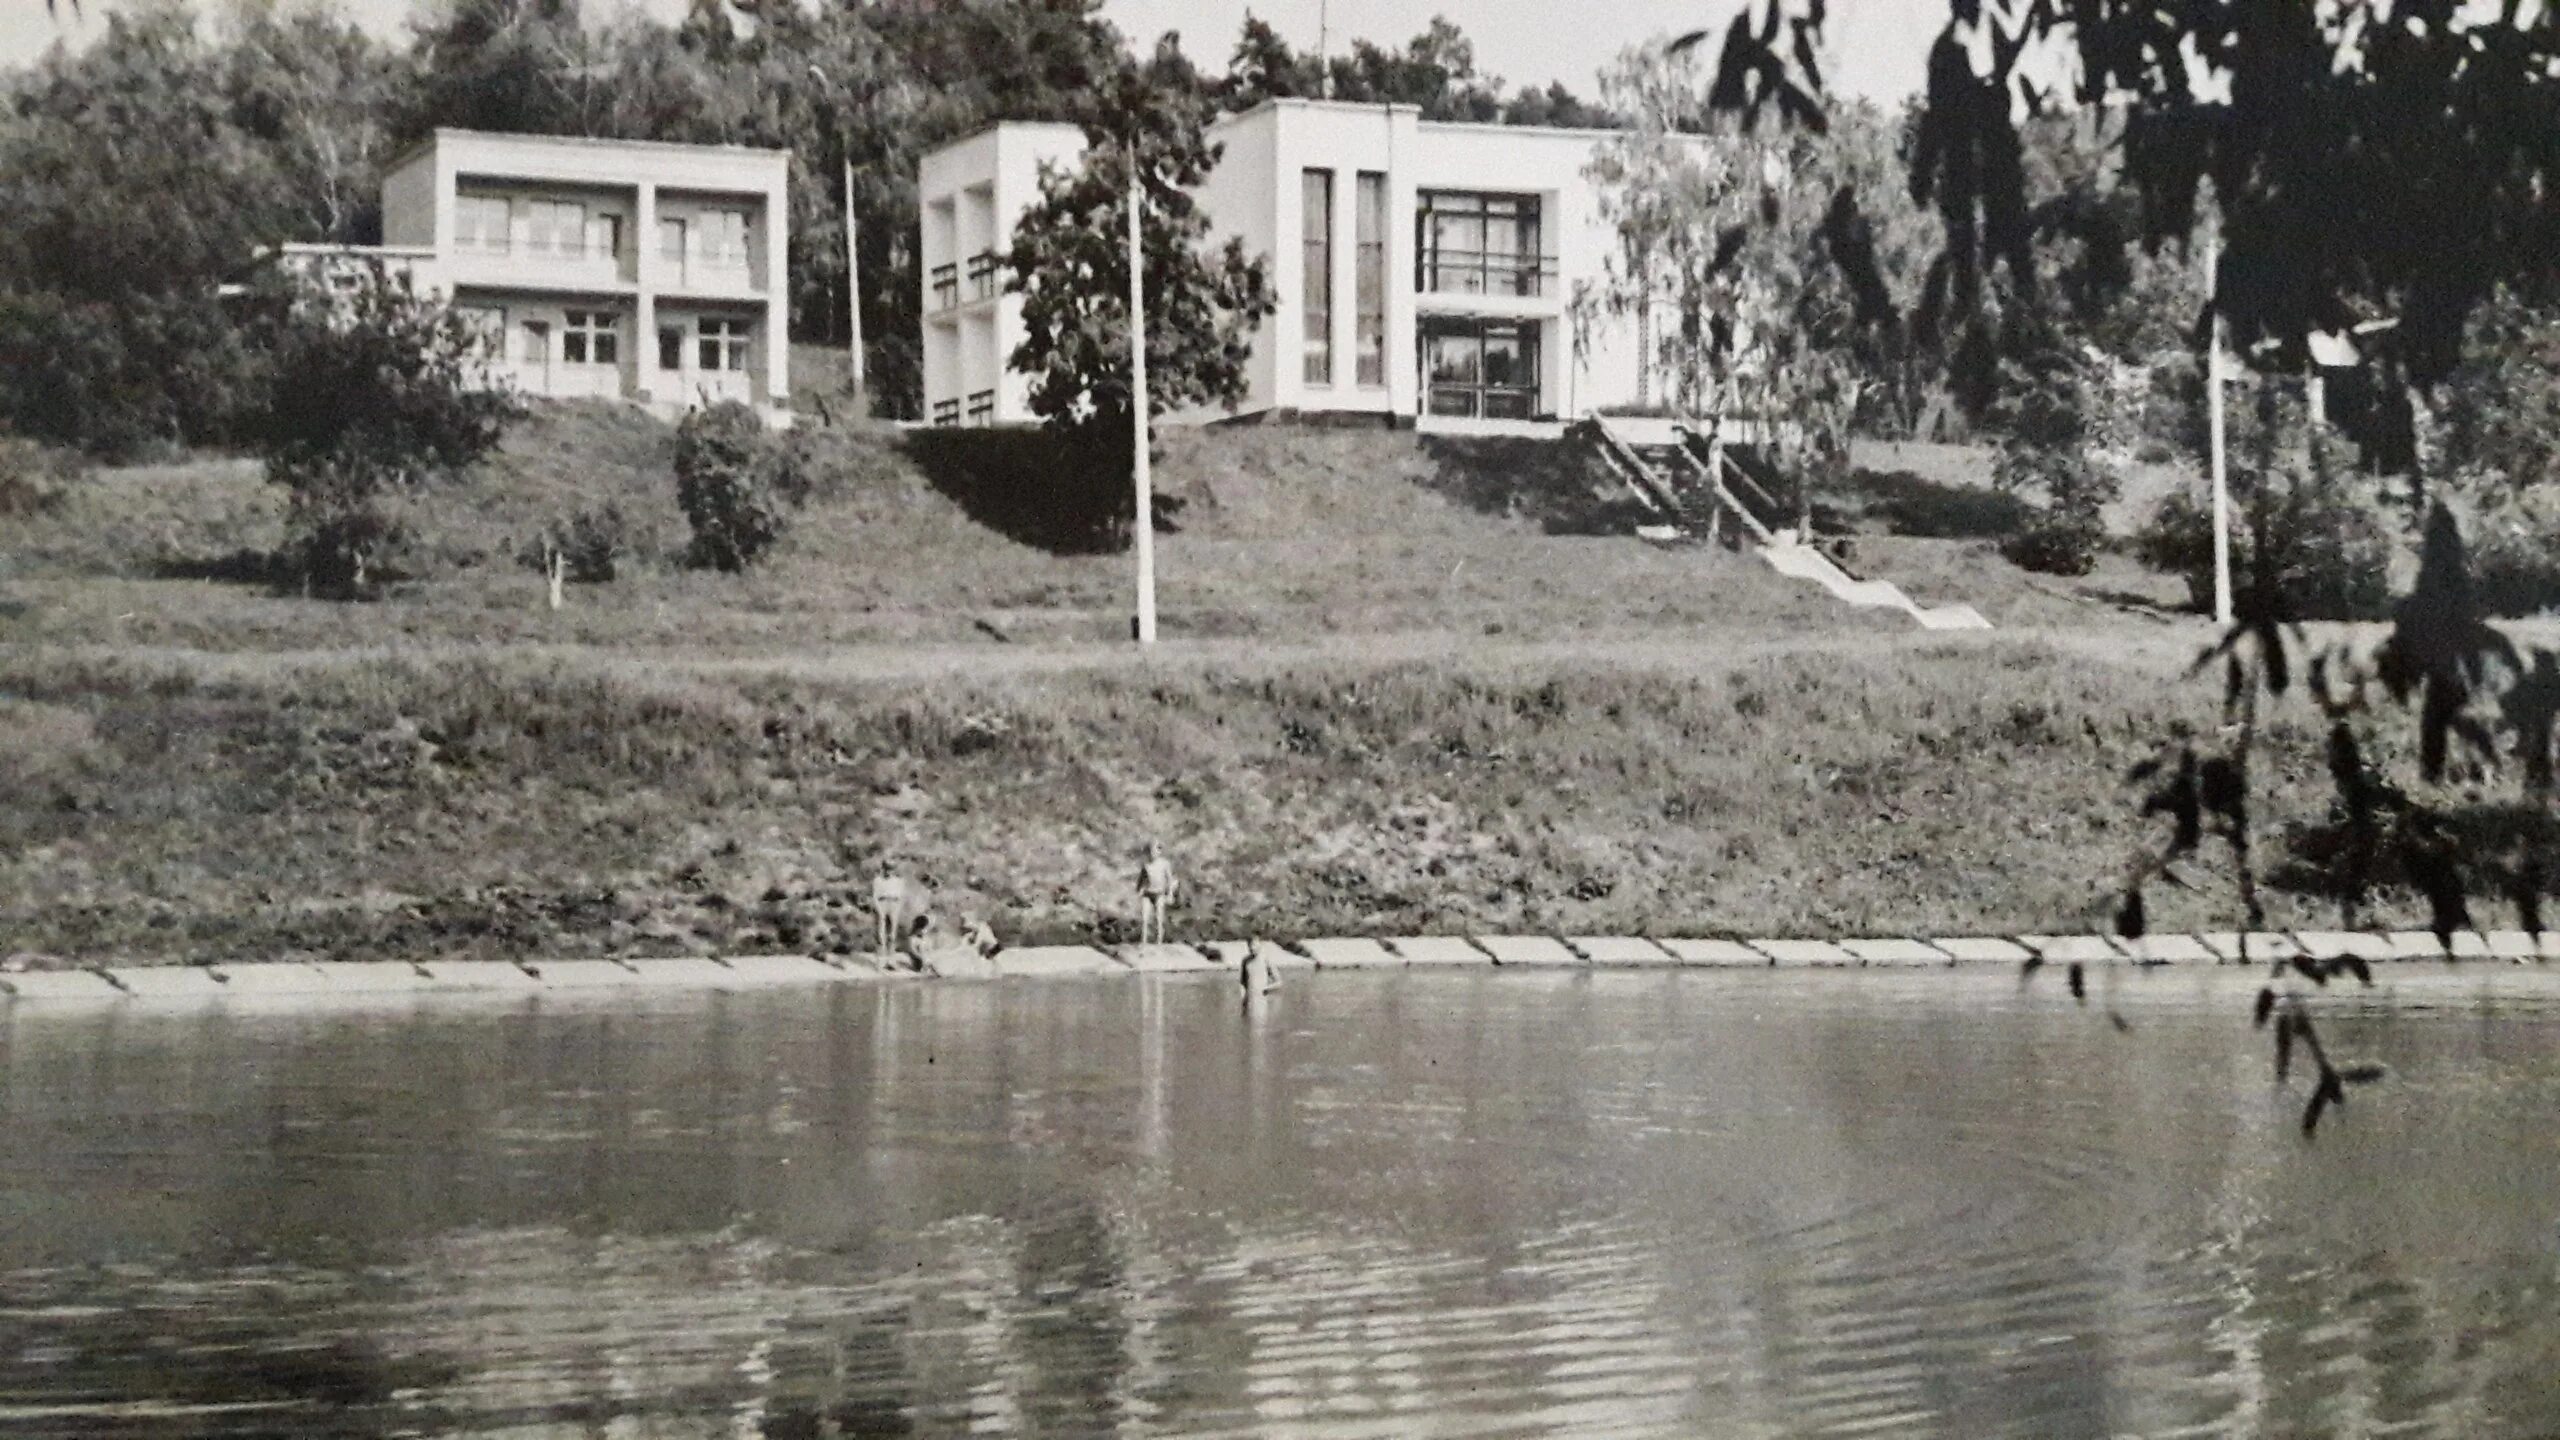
pixel 1273 532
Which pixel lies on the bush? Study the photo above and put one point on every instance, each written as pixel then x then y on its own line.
pixel 736 484
pixel 2515 551
pixel 2057 542
pixel 591 544
pixel 377 395
pixel 34 478
pixel 2066 532
pixel 2332 556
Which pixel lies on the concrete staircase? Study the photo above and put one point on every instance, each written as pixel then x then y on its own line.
pixel 1703 489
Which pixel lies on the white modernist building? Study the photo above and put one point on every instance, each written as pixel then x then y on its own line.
pixel 619 269
pixel 1426 273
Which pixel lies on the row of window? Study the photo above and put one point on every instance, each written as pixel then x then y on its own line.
pixel 982 410
pixel 562 229
pixel 982 280
pixel 1369 275
pixel 594 337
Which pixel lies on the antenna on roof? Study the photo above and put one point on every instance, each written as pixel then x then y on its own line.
pixel 1324 49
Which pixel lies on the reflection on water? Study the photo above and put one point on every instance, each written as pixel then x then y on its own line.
pixel 1377 1205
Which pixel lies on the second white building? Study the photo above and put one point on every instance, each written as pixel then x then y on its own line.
pixel 1426 272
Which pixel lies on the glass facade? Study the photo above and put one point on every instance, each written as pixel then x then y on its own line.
pixel 1471 244
pixel 1482 369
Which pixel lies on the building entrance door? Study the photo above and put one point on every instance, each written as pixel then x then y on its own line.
pixel 535 367
pixel 1483 369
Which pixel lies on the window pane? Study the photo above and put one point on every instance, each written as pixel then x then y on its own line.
pixel 670 347
pixel 1316 216
pixel 608 347
pixel 671 240
pixel 573 346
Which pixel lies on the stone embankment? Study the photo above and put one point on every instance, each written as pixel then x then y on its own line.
pixel 321 980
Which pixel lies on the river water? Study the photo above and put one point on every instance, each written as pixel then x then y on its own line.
pixel 1389 1205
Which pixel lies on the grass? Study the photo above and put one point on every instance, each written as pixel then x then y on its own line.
pixel 193 808
pixel 1282 532
pixel 1408 685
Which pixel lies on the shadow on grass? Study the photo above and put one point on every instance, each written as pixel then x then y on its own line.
pixel 1036 489
pixel 262 568
pixel 1556 485
pixel 1914 505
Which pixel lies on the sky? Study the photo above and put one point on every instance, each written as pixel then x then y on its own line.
pixel 1878 46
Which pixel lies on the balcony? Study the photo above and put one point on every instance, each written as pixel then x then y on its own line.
pixel 982 408
pixel 946 413
pixel 982 275
pixel 1483 272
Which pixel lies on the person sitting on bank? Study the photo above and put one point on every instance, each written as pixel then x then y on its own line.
pixel 888 907
pixel 919 943
pixel 979 937
pixel 1155 894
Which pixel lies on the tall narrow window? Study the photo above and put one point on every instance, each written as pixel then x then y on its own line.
pixel 1371 283
pixel 1316 227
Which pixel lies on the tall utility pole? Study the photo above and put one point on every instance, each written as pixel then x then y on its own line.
pixel 852 242
pixel 853 282
pixel 2213 411
pixel 1146 518
pixel 1324 43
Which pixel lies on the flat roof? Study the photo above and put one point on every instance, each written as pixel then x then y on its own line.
pixel 1304 102
pixel 580 142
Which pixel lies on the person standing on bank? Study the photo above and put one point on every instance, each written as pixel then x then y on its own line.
pixel 1155 895
pixel 888 908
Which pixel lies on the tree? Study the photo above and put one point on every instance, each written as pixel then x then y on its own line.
pixel 315 94
pixel 2395 162
pixel 379 393
pixel 1752 245
pixel 132 195
pixel 1069 262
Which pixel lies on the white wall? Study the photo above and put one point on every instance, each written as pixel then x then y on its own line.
pixel 1254 194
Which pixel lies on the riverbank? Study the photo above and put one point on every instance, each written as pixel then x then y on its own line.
pixel 361 982
pixel 496 804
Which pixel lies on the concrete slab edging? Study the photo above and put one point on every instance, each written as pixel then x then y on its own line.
pixel 301 982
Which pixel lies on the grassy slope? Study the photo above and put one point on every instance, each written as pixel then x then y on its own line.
pixel 1284 532
pixel 535 804
pixel 1402 692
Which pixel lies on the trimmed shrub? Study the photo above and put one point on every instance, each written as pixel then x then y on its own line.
pixel 736 485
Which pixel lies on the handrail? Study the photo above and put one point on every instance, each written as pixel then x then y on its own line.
pixel 1631 467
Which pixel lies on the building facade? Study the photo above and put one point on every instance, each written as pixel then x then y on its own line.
pixel 614 269
pixel 1426 273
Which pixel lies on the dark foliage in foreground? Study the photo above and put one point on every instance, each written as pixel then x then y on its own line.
pixel 2396 162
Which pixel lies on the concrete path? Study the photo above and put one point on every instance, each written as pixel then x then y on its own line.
pixel 303 983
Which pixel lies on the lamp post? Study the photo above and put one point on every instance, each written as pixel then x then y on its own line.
pixel 852 253
pixel 2213 413
pixel 1138 406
